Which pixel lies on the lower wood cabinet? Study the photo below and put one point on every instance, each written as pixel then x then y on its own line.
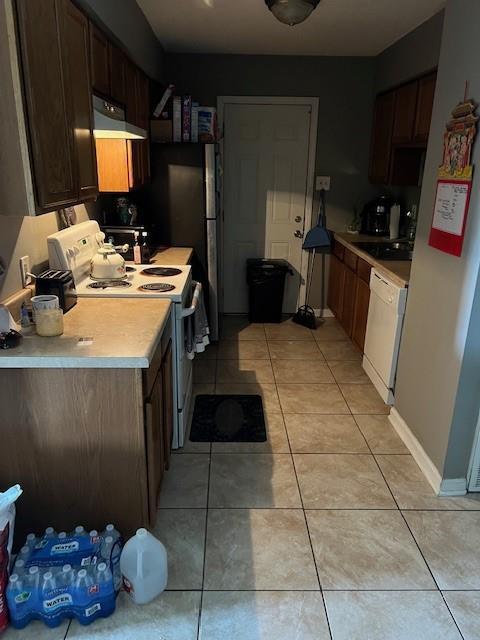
pixel 90 446
pixel 349 292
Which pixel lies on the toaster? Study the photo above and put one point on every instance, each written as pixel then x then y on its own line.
pixel 57 283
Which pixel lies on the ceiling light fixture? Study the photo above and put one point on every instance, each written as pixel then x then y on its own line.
pixel 291 12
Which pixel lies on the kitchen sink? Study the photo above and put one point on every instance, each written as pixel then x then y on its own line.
pixel 402 250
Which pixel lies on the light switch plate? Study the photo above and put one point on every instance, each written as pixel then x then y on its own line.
pixel 25 270
pixel 322 182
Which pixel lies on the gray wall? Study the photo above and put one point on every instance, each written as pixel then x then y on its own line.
pixel 437 391
pixel 126 23
pixel 345 90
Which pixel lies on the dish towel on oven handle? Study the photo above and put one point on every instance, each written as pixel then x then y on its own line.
pixel 197 327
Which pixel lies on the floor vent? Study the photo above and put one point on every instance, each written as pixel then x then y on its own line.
pixel 474 477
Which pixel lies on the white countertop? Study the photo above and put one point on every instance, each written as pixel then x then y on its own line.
pixel 117 333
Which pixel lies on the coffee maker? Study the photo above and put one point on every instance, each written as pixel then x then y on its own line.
pixel 376 216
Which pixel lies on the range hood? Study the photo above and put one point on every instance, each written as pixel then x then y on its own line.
pixel 109 122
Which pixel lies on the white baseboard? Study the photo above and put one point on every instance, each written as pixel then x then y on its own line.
pixel 429 470
pixel 453 487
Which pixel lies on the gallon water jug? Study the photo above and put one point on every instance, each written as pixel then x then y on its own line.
pixel 143 564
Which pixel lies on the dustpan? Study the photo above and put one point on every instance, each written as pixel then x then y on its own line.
pixel 317 239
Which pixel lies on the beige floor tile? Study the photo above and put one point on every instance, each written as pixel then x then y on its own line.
pixel 340 350
pixel 171 616
pixel 268 391
pixel 204 371
pixel 366 550
pixel 449 541
pixel 239 328
pixel 324 434
pixel 182 531
pixel 329 329
pixel 287 330
pixel 299 371
pixel 244 371
pixel 210 352
pixel 311 398
pixel 465 607
pixel 412 490
pixel 243 350
pixel 258 549
pixel 341 481
pixel 294 350
pixel 185 483
pixel 350 372
pixel 242 480
pixel 364 398
pixel 389 615
pixel 277 441
pixel 380 435
pixel 36 630
pixel 263 615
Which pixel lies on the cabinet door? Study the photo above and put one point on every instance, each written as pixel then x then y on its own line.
pixel 405 109
pixel 362 299
pixel 143 99
pixel 348 307
pixel 167 376
pixel 382 138
pixel 75 45
pixel 154 444
pixel 99 61
pixel 131 93
pixel 117 64
pixel 426 94
pixel 336 286
pixel 51 135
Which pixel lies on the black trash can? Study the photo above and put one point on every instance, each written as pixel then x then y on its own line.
pixel 266 282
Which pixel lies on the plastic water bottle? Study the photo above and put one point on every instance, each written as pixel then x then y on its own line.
pixel 103 573
pixel 48 582
pixel 49 532
pixel 62 535
pixel 110 552
pixel 24 553
pixel 111 531
pixel 31 540
pixel 20 567
pixel 143 564
pixel 33 577
pixel 14 583
pixel 80 531
pixel 83 580
pixel 65 576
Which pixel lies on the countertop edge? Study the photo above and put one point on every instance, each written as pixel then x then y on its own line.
pixel 381 267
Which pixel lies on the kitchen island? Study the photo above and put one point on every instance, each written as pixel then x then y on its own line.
pixel 87 417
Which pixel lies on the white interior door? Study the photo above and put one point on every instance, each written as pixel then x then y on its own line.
pixel 266 151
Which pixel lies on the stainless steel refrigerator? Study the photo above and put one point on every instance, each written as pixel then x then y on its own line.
pixel 182 202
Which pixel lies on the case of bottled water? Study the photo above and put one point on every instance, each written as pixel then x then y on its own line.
pixel 65 575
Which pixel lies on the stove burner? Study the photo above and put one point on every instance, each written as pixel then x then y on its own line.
pixel 157 286
pixel 162 272
pixel 108 284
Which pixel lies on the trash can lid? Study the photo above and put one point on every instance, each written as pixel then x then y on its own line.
pixel 267 264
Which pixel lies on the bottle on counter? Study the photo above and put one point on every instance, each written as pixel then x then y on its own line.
pixel 145 248
pixel 137 250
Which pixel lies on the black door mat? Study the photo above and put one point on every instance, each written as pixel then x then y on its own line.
pixel 228 418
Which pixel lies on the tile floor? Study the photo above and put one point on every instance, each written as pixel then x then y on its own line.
pixel 327 531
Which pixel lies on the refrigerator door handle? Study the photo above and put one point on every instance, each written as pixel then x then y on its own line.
pixel 212 267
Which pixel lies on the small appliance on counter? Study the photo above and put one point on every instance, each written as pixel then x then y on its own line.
pixel 60 283
pixel 376 216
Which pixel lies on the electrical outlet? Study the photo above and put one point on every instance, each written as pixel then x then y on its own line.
pixel 322 182
pixel 25 270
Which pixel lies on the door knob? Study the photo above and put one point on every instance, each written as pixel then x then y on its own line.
pixel 298 234
pixel 298 219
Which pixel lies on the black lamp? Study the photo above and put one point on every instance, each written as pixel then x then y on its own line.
pixel 291 12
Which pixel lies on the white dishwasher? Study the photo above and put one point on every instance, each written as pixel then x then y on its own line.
pixel 384 329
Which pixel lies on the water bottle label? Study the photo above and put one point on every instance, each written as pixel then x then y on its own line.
pixel 128 586
pixel 23 597
pixel 94 588
pixel 63 600
pixel 93 609
pixel 66 547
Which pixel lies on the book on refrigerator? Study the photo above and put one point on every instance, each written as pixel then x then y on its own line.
pixel 186 118
pixel 177 119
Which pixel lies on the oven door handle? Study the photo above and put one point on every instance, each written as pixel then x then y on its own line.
pixel 192 308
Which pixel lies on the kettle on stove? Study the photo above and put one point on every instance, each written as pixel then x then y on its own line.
pixel 108 264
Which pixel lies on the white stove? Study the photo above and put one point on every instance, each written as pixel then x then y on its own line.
pixel 73 249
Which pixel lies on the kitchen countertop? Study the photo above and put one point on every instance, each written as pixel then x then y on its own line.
pixel 123 334
pixel 398 271
pixel 172 255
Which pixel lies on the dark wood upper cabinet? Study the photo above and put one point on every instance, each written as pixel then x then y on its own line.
pixel 75 44
pixel 405 109
pixel 99 61
pixel 117 63
pixel 426 94
pixel 382 138
pixel 48 114
pixel 143 99
pixel 131 92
